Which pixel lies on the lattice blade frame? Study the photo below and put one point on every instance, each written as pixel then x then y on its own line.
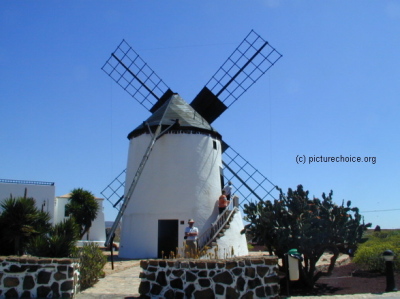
pixel 252 185
pixel 115 190
pixel 251 59
pixel 134 75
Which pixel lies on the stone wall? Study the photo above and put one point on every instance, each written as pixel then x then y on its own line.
pixel 33 277
pixel 244 277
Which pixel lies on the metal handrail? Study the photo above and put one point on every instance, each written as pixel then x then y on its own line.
pixel 26 182
pixel 211 233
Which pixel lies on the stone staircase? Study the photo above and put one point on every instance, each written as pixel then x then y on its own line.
pixel 217 230
pixel 221 233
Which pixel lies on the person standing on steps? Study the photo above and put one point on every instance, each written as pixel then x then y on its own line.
pixel 191 233
pixel 228 190
pixel 223 202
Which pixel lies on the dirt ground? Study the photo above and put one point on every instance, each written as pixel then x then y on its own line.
pixel 120 264
pixel 346 279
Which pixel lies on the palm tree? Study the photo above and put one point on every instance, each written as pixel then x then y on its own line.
pixel 20 221
pixel 83 207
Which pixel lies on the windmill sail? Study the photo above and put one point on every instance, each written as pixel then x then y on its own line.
pixel 136 77
pixel 114 191
pixel 249 183
pixel 250 60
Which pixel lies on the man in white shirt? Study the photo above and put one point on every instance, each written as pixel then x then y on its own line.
pixel 228 190
pixel 191 233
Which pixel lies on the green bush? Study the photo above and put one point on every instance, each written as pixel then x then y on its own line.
pixel 20 222
pixel 60 241
pixel 369 254
pixel 92 261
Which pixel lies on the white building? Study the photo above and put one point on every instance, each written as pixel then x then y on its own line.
pixel 97 231
pixel 42 192
pixel 44 195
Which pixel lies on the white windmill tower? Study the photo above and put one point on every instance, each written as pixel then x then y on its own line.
pixel 175 169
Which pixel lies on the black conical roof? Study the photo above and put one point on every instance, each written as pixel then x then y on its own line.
pixel 174 109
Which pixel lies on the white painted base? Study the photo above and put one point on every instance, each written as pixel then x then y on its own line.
pixel 226 249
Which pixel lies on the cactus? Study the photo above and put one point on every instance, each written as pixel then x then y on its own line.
pixel 312 226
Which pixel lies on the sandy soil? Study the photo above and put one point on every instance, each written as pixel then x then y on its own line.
pixel 120 264
pixel 345 280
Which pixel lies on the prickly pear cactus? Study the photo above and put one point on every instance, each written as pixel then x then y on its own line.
pixel 312 226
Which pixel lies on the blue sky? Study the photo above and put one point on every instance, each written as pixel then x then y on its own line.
pixel 334 92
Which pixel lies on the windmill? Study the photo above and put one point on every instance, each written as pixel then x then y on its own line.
pixel 175 169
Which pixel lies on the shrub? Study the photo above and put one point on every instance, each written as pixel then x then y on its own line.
pixel 92 261
pixel 60 241
pixel 369 254
pixel 20 222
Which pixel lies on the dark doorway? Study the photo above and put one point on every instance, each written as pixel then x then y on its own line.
pixel 167 237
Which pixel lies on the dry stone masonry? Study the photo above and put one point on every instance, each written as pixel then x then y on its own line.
pixel 245 277
pixel 33 277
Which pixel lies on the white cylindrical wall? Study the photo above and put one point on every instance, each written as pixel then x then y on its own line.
pixel 181 180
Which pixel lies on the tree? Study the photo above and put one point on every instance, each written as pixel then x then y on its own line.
pixel 310 226
pixel 20 221
pixel 83 207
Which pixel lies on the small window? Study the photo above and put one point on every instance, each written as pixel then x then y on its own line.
pixel 214 144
